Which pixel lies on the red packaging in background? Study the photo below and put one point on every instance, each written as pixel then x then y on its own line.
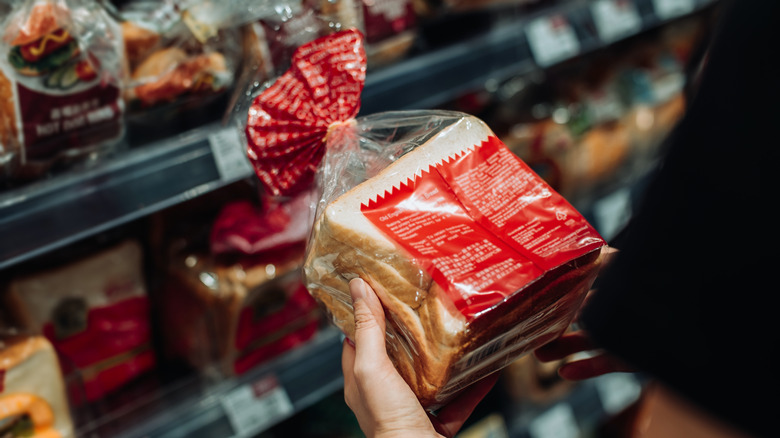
pixel 241 302
pixel 390 30
pixel 95 311
pixel 65 57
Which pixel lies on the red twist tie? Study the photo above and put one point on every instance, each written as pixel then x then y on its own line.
pixel 288 122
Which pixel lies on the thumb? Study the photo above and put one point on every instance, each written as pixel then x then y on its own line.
pixel 369 322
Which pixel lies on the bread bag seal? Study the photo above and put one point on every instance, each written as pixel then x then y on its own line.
pixel 475 259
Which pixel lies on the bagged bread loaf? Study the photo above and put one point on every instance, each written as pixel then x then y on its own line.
pixel 235 298
pixel 95 311
pixel 475 259
pixel 60 81
pixel 32 391
pixel 230 317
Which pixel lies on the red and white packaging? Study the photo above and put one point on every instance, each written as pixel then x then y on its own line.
pixel 271 40
pixel 62 65
pixel 474 257
pixel 95 312
pixel 242 301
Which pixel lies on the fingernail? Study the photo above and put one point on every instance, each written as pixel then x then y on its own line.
pixel 349 341
pixel 357 288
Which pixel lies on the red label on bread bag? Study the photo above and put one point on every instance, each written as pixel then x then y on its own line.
pixel 483 225
pixel 113 348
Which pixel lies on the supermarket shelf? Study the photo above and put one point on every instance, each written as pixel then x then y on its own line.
pixel 580 413
pixel 55 212
pixel 513 46
pixel 52 213
pixel 195 409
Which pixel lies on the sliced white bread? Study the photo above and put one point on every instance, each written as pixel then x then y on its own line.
pixel 31 384
pixel 431 343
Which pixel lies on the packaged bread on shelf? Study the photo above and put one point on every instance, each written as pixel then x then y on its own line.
pixel 391 30
pixel 95 311
pixel 33 402
pixel 475 258
pixel 60 81
pixel 180 70
pixel 241 301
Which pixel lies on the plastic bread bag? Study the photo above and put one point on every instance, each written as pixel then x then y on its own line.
pixel 272 38
pixel 10 152
pixel 391 30
pixel 475 259
pixel 181 70
pixel 236 298
pixel 61 60
pixel 33 400
pixel 95 311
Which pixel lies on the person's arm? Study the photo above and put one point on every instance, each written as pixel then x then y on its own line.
pixel 687 299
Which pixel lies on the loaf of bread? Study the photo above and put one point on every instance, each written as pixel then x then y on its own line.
pixel 229 316
pixel 95 311
pixel 32 391
pixel 437 346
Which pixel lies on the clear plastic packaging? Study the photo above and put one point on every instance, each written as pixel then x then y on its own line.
pixel 60 78
pixel 95 312
pixel 226 318
pixel 33 401
pixel 272 38
pixel 475 259
pixel 391 30
pixel 240 300
pixel 180 70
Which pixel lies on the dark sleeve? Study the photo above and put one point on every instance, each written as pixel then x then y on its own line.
pixel 690 300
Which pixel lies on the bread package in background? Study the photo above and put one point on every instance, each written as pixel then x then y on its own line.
pixel 32 393
pixel 240 301
pixel 391 29
pixel 60 80
pixel 475 259
pixel 95 311
pixel 236 316
pixel 180 70
pixel 301 21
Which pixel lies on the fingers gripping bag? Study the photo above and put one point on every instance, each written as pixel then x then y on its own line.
pixel 476 260
pixel 61 64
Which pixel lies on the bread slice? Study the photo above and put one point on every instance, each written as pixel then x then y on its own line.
pixel 434 346
pixel 31 384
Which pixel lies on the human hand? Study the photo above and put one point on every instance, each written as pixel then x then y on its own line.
pixel 597 363
pixel 381 399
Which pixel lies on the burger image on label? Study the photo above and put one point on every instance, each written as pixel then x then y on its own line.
pixel 42 45
pixel 70 74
